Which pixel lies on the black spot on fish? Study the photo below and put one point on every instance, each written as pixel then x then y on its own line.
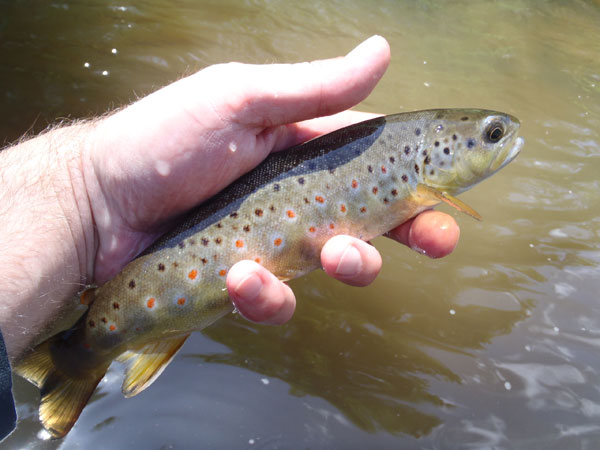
pixel 436 143
pixel 175 264
pixel 431 172
pixel 161 267
pixel 394 192
pixel 306 200
pixel 132 284
pixel 331 170
pixel 91 323
pixel 370 169
pixel 218 240
pixel 417 168
pixel 219 225
pixel 192 241
pixel 246 228
pixel 392 159
pixel 404 178
pixel 258 212
pixel 446 151
pixel 204 241
pixel 233 215
pixel 276 187
pixel 115 305
pixel 272 207
pixel 406 150
pixel 427 159
pixel 103 320
pixel 204 260
pixel 424 153
pixel 471 143
pixel 301 180
pixel 418 131
pixel 385 200
pixel 454 137
pixel 181 244
pixel 465 118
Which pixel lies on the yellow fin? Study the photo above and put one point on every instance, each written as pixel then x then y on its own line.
pixel 430 192
pixel 147 363
pixel 63 396
pixel 87 296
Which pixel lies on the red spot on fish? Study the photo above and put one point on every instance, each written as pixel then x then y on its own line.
pixel 343 208
pixel 291 214
pixel 332 226
pixel 222 272
pixel 277 242
pixel 115 305
pixel 354 184
pixel 383 169
pixel 375 189
pixel 257 260
pixel 181 301
pixel 258 212
pixel 319 199
pixel 394 192
pixel 112 328
pixel 150 303
pixel 193 274
pixel 239 243
pixel 312 229
pixel 363 209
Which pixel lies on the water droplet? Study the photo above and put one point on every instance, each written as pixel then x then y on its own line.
pixel 86 65
pixel 232 147
pixel 452 312
pixel 114 51
pixel 507 386
pixel 105 73
pixel 163 168
pixel 265 381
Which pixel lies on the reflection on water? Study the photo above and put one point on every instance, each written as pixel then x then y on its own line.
pixel 495 346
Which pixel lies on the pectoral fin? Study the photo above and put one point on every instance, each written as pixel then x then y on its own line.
pixel 147 363
pixel 433 193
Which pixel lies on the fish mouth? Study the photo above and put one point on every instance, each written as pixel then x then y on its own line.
pixel 512 154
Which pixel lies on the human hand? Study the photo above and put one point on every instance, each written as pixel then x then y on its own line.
pixel 172 150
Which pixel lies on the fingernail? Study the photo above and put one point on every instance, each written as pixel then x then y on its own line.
pixel 350 263
pixel 249 287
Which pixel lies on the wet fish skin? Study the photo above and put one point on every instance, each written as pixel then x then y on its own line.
pixel 362 180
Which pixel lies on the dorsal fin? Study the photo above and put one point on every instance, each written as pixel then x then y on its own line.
pixel 145 364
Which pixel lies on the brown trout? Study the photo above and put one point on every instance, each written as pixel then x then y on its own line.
pixel 362 180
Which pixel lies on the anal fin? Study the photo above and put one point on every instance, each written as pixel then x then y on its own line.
pixel 432 193
pixel 145 364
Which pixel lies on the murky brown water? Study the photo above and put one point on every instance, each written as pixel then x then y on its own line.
pixel 494 346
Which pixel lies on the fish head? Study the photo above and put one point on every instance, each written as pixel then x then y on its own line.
pixel 465 146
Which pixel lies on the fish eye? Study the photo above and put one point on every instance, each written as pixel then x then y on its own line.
pixel 494 132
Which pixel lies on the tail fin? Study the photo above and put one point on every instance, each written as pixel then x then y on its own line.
pixel 63 396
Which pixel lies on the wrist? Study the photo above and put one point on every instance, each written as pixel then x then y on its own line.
pixel 46 240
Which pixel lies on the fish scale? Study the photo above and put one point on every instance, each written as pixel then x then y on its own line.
pixel 361 180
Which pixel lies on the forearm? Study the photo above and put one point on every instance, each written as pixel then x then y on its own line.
pixel 46 233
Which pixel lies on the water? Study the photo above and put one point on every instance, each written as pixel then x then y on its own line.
pixel 494 346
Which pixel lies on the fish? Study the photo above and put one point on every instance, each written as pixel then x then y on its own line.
pixel 362 180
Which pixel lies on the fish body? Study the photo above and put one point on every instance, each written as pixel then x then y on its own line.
pixel 362 180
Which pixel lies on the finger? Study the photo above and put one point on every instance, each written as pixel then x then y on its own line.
pixel 269 95
pixel 258 295
pixel 432 233
pixel 350 260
